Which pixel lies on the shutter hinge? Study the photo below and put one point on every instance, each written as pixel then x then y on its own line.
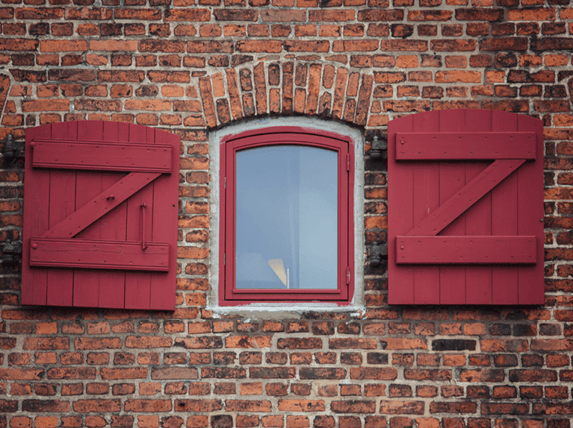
pixel 225 182
pixel 347 161
pixel 13 150
pixel 225 259
pixel 347 275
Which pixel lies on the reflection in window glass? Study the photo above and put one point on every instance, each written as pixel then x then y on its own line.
pixel 286 218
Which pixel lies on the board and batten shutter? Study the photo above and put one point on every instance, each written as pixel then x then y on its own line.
pixel 100 216
pixel 465 208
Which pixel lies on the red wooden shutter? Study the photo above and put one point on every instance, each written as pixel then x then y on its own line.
pixel 465 199
pixel 100 216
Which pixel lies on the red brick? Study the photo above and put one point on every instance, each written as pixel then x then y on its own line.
pixel 148 405
pixel 39 13
pixel 63 46
pixel 458 76
pixel 332 15
pixel 363 407
pixel 430 15
pixel 138 14
pixel 21 374
pixel 124 373
pixel 537 14
pixel 197 405
pixel 453 407
pixel 113 45
pixel 426 374
pixel 278 15
pixel 50 406
pixel 46 105
pixel 504 44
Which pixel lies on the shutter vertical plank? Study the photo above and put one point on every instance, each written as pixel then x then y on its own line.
pixel 478 218
pixel 138 284
pixel 401 192
pixel 132 299
pixel 531 215
pixel 62 203
pixel 504 221
pixel 452 179
pixel 89 185
pixel 34 281
pixel 165 205
pixel 426 200
pixel 113 227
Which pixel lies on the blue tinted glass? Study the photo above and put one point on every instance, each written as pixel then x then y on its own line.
pixel 286 218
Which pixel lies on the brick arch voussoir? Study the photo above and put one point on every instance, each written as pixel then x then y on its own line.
pixel 287 88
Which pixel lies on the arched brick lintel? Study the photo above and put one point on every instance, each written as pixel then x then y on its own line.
pixel 288 88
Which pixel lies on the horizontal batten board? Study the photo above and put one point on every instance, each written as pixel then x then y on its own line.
pixel 89 254
pixel 465 145
pixel 466 250
pixel 99 156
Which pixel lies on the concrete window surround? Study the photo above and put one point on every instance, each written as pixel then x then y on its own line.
pixel 215 137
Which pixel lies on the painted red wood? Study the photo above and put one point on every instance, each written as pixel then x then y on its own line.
pixel 471 222
pixel 100 205
pixel 111 291
pixel 453 207
pixel 477 223
pixel 34 282
pixel 88 186
pixel 504 221
pixel 426 195
pixel 464 145
pixel 229 294
pixel 63 202
pixel 164 205
pixel 101 156
pixel 123 255
pixel 62 191
pixel 137 284
pixel 529 176
pixel 466 250
pixel 470 199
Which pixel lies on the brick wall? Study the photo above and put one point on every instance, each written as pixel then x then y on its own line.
pixel 192 66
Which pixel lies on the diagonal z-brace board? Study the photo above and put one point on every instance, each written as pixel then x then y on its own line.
pixel 464 229
pixel 61 252
pixel 100 205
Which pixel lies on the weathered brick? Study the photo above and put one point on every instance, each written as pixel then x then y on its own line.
pixel 124 373
pixel 373 373
pixel 504 44
pixel 197 405
pixel 396 407
pixel 453 407
pixel 45 406
pixel 72 373
pixel 272 372
pixel 363 407
pixel 482 375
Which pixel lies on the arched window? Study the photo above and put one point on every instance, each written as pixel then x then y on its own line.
pixel 286 229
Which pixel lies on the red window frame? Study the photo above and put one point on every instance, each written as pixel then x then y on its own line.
pixel 230 145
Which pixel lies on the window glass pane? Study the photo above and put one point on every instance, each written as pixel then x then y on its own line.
pixel 286 218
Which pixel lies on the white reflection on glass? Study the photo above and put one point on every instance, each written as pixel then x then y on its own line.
pixel 286 218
